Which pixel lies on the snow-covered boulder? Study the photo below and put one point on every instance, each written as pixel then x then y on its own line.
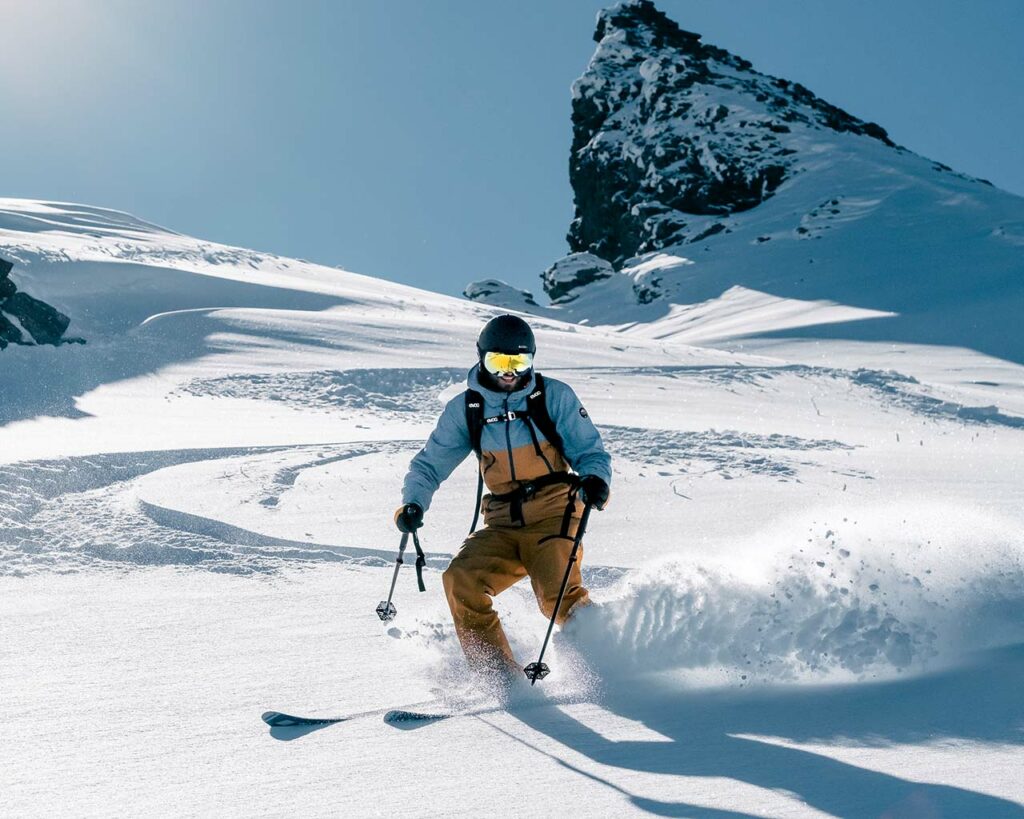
pixel 564 278
pixel 499 294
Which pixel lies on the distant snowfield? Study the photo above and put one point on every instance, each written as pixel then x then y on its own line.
pixel 810 577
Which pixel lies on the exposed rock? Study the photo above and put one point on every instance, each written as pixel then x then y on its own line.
pixel 499 293
pixel 45 324
pixel 571 272
pixel 9 333
pixel 666 128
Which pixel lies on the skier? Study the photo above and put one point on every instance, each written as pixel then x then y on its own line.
pixel 527 432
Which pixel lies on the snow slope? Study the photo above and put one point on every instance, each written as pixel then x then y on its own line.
pixel 810 578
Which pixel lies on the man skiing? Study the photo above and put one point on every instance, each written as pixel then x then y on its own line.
pixel 527 431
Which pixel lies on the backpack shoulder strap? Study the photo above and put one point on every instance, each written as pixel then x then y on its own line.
pixel 475 419
pixel 475 423
pixel 536 403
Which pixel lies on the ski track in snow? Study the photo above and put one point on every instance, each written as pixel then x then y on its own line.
pixel 386 391
pixel 407 391
pixel 811 618
pixel 74 513
pixel 81 513
pixel 401 391
pixel 398 392
pixel 829 616
pixel 888 388
pixel 727 453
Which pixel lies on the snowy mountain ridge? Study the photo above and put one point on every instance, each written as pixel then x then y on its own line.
pixel 666 128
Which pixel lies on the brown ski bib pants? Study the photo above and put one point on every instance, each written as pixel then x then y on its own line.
pixel 493 559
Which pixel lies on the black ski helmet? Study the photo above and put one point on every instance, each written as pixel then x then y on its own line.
pixel 506 334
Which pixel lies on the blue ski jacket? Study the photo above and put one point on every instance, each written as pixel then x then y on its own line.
pixel 510 454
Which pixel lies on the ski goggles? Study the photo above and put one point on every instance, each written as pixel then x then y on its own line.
pixel 517 363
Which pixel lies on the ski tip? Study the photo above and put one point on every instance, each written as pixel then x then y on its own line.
pixel 275 719
pixel 272 717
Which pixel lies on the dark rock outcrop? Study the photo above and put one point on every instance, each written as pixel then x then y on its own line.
pixel 45 324
pixel 563 279
pixel 9 333
pixel 499 293
pixel 667 128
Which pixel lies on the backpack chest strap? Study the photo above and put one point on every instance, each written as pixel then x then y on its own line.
pixel 511 415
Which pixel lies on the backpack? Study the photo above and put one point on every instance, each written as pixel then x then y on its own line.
pixel 536 411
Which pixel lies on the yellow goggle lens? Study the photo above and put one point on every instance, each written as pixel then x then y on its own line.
pixel 517 363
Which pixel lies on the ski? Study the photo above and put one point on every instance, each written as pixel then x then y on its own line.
pixel 408 716
pixel 445 705
pixel 279 719
pixel 276 719
pixel 412 717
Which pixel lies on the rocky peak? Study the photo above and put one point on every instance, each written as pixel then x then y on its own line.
pixel 667 128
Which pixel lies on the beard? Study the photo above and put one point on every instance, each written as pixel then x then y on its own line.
pixel 497 384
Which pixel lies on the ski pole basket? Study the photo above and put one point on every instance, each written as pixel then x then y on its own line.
pixel 386 610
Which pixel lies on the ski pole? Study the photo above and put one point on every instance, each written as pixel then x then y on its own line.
pixel 386 609
pixel 538 670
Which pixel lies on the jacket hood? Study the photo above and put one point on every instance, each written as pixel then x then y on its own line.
pixel 496 396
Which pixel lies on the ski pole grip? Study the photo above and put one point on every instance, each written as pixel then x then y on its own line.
pixel 584 519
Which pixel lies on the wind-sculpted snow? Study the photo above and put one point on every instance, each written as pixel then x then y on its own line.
pixel 387 391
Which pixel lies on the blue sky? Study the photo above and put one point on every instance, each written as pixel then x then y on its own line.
pixel 427 142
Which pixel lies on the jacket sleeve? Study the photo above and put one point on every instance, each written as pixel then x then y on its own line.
pixel 446 448
pixel 581 440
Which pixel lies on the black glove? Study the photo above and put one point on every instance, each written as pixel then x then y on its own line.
pixel 594 490
pixel 409 518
